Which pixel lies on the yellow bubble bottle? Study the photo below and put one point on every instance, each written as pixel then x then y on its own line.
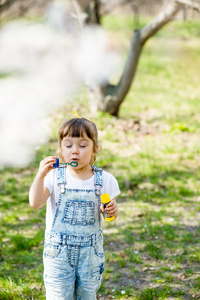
pixel 105 199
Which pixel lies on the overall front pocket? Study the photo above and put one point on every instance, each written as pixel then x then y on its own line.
pixel 79 213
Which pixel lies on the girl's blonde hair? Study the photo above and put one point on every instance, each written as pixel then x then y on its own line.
pixel 77 127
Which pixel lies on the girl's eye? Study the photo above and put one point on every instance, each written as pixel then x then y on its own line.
pixel 68 146
pixel 82 146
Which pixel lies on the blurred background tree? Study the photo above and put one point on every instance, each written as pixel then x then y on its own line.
pixel 108 97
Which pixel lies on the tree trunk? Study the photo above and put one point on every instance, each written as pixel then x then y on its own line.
pixel 115 95
pixel 108 98
pixel 92 9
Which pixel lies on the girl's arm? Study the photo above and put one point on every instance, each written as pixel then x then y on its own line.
pixel 39 194
pixel 111 208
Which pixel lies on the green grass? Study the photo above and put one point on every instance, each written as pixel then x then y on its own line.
pixel 152 249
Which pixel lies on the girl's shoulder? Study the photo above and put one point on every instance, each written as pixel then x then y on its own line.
pixel 110 185
pixel 108 176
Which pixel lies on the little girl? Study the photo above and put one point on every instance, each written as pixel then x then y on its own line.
pixel 73 251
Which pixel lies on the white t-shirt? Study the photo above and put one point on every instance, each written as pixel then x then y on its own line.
pixel 110 186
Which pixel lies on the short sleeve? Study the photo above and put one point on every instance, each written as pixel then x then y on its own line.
pixel 110 185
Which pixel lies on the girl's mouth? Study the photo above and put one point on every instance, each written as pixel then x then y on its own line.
pixel 74 163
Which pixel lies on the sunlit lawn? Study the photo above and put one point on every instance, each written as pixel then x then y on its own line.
pixel 152 249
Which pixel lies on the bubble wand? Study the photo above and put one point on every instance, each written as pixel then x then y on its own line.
pixel 64 165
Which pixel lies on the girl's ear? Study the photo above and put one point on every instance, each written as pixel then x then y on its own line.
pixel 96 149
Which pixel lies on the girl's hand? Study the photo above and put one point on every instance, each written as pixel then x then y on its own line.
pixel 111 208
pixel 46 165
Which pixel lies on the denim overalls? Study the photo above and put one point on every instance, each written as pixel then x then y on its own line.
pixel 73 252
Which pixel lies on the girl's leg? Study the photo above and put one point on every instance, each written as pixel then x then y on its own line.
pixel 59 275
pixel 87 292
pixel 89 272
pixel 62 294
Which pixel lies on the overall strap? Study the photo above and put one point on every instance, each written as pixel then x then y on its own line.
pixel 61 180
pixel 98 180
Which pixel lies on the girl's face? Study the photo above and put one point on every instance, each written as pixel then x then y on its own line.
pixel 79 149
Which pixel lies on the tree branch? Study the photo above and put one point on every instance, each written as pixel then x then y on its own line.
pixel 137 43
pixel 6 5
pixel 192 4
pixel 162 19
pixel 114 95
pixel 139 38
pixel 165 17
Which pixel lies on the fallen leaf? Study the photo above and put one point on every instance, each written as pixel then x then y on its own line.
pixel 182 276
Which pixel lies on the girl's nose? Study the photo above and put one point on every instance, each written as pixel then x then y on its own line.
pixel 74 149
